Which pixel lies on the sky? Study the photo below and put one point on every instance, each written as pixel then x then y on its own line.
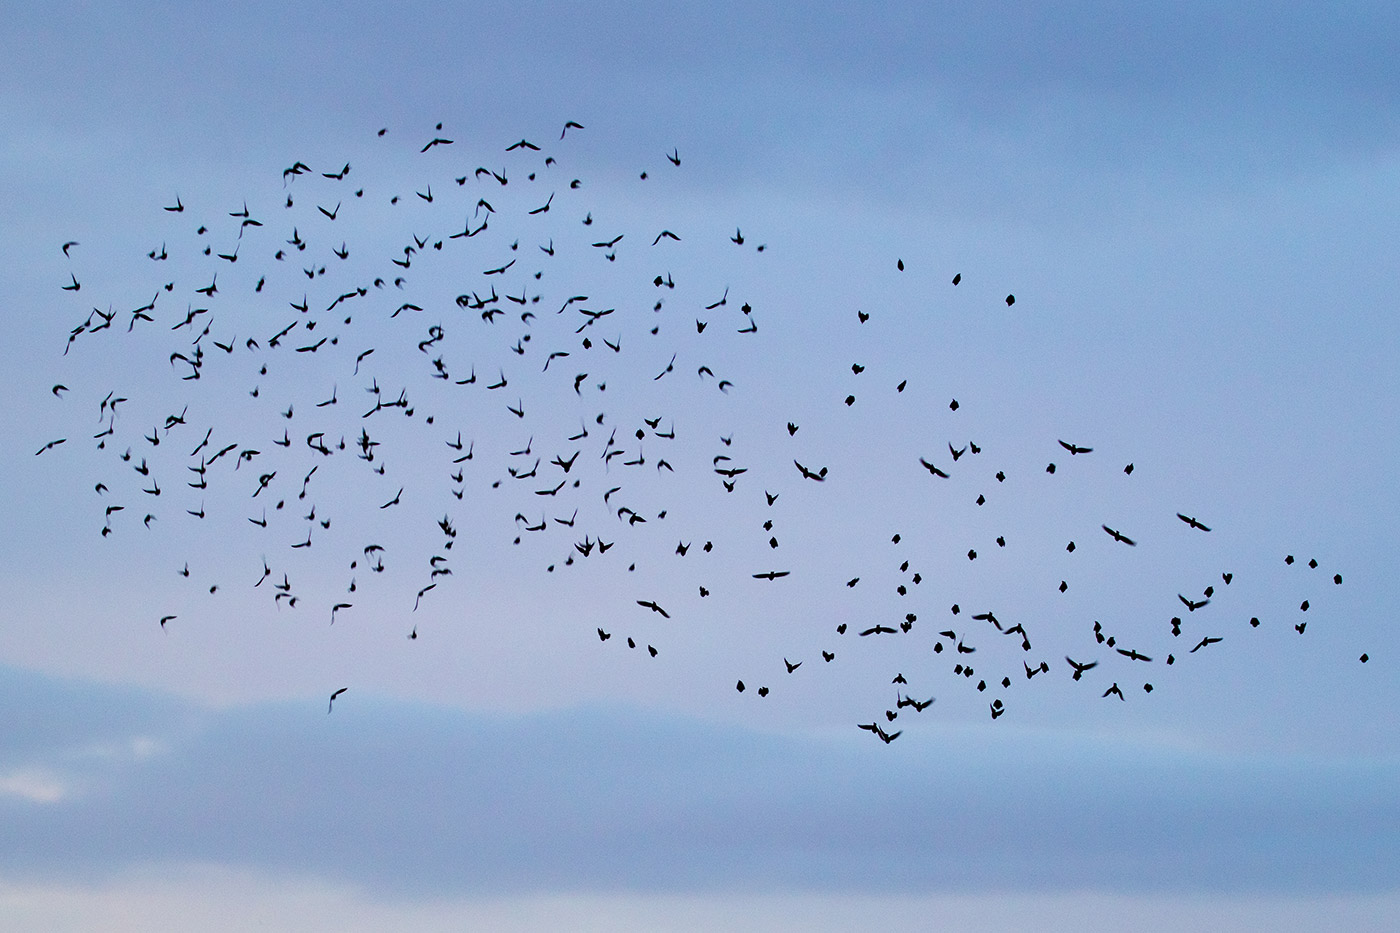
pixel 1192 208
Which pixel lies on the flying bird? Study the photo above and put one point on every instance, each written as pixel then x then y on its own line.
pixel 1118 536
pixel 1079 668
pixel 933 469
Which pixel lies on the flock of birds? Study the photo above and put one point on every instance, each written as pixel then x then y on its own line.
pixel 512 384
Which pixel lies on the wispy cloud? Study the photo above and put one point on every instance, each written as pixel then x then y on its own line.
pixel 415 798
pixel 34 785
pixel 215 900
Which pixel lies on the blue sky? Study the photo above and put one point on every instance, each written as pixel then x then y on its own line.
pixel 1193 208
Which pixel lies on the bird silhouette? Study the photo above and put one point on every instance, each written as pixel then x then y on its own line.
pixel 1190 521
pixel 1116 536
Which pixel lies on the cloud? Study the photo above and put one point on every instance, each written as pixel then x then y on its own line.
pixel 33 785
pixel 417 799
pixel 1193 82
pixel 216 900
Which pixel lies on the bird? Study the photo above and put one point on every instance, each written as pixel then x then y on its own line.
pixel 335 694
pixel 933 469
pixel 1080 668
pixel 1117 536
pixel 1191 521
